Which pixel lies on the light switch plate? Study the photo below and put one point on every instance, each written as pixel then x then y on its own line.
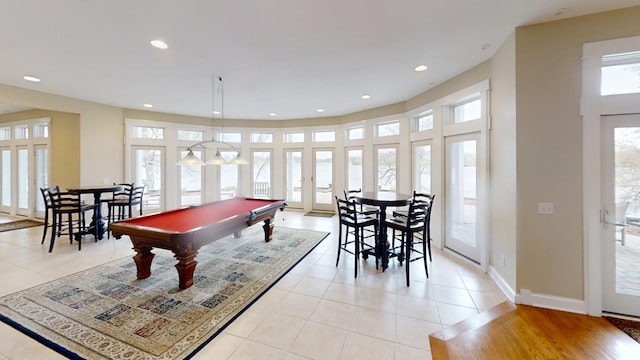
pixel 545 208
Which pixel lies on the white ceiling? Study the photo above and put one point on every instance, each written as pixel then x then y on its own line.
pixel 284 56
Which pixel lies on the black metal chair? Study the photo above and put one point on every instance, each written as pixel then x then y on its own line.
pixel 414 228
pixel 122 204
pixel 418 197
pixel 355 221
pixel 64 203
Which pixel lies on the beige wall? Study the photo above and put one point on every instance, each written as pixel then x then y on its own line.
pixel 502 163
pixel 96 137
pixel 65 149
pixel 549 147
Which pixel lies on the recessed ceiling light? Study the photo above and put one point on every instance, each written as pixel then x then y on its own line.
pixel 320 110
pixel 272 114
pixel 420 68
pixel 366 97
pixel 31 78
pixel 159 44
pixel 216 112
pixel 148 105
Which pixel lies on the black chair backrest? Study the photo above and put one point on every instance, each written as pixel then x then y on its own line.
pixel 347 211
pixel 125 192
pixel 54 198
pixel 136 195
pixel 348 194
pixel 424 204
pixel 48 194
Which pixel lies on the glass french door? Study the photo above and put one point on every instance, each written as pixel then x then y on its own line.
pixel 41 175
pixel 293 178
pixel 5 179
pixel 422 167
pixel 462 169
pixel 323 180
pixel 621 213
pixel 386 166
pixel 354 169
pixel 228 177
pixel 261 173
pixel 148 170
pixel 190 180
pixel 23 181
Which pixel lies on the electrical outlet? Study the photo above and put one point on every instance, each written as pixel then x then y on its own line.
pixel 545 208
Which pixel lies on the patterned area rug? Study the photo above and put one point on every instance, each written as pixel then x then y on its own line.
pixel 106 313
pixel 631 328
pixel 19 224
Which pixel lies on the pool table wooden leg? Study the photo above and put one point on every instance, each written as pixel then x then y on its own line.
pixel 186 266
pixel 268 230
pixel 143 259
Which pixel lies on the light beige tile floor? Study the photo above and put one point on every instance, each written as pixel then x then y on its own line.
pixel 317 311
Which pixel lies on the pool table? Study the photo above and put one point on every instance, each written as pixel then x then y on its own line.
pixel 184 231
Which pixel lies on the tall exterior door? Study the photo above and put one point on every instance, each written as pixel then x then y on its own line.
pixel 462 169
pixel 148 170
pixel 621 214
pixel 293 178
pixel 5 179
pixel 41 176
pixel 24 178
pixel 323 180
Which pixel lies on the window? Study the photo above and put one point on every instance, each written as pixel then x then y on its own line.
pixel 41 130
pixel 386 168
pixel 388 129
pixel 143 132
pixel 230 137
pixel 22 132
pixel 424 121
pixel 190 135
pixel 355 133
pixel 5 133
pixel 467 110
pixel 319 136
pixel 190 181
pixel 229 178
pixel 294 137
pixel 422 168
pixel 261 137
pixel 620 74
pixel 354 169
pixel 261 174
pixel 5 161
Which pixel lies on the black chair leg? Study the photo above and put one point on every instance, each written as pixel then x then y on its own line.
pixel 424 256
pixel 356 253
pixel 407 254
pixel 339 243
pixel 46 226
pixel 53 233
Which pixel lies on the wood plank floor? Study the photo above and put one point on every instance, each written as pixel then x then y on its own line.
pixel 510 331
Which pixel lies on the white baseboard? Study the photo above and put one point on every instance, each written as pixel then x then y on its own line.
pixel 502 284
pixel 526 297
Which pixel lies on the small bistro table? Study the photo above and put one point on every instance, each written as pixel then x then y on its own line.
pixel 382 199
pixel 97 191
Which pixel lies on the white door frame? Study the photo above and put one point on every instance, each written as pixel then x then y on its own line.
pixel 592 107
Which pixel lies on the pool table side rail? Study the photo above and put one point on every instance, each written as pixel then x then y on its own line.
pixel 159 237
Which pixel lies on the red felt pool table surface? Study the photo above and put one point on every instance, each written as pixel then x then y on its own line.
pixel 190 218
